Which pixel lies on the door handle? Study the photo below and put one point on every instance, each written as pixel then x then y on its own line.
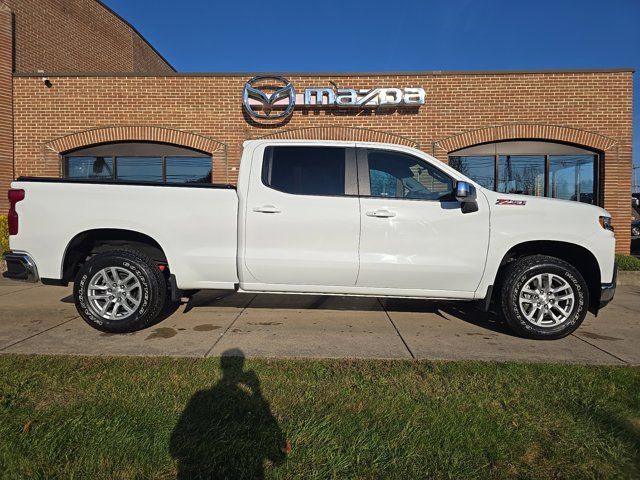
pixel 381 213
pixel 267 209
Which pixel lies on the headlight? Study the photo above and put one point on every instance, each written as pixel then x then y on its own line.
pixel 605 222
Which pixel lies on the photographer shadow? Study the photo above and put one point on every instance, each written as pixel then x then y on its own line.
pixel 228 431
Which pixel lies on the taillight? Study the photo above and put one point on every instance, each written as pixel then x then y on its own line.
pixel 15 195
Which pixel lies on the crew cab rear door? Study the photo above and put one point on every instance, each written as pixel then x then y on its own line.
pixel 415 235
pixel 302 217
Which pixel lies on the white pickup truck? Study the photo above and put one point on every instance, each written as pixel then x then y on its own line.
pixel 314 217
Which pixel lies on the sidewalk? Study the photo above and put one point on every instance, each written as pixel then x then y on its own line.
pixel 43 320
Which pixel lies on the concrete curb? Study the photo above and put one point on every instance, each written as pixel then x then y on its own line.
pixel 629 278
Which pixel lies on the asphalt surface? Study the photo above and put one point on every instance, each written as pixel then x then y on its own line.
pixel 35 319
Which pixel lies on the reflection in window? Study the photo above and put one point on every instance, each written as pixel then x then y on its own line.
pixel 480 169
pixel 398 175
pixel 139 162
pixel 383 184
pixel 542 168
pixel 188 170
pixel 571 177
pixel 90 167
pixel 521 174
pixel 139 169
pixel 305 170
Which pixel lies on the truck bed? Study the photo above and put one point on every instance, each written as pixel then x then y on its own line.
pixel 195 224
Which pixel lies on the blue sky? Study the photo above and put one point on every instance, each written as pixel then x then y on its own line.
pixel 248 35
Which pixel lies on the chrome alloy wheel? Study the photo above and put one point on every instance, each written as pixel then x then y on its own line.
pixel 114 293
pixel 546 300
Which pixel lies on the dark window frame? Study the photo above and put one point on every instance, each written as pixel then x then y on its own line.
pixel 547 168
pixel 364 180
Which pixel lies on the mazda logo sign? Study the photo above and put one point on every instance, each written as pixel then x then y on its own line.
pixel 277 102
pixel 270 97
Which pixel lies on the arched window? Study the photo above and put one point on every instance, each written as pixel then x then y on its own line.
pixel 138 162
pixel 531 168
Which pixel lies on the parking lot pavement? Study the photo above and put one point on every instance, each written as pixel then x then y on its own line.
pixel 43 320
pixel 28 310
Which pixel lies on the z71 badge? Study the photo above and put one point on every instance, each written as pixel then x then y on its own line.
pixel 506 201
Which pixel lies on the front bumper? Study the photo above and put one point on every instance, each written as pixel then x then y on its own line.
pixel 608 290
pixel 20 266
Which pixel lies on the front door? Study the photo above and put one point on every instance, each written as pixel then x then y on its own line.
pixel 302 218
pixel 415 235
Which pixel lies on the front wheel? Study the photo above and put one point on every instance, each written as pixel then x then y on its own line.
pixel 119 291
pixel 543 297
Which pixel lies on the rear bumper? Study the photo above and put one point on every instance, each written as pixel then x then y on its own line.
pixel 608 290
pixel 20 266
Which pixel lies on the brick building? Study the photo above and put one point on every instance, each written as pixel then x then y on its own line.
pixel 106 103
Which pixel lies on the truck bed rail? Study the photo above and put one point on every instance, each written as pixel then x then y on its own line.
pixel 119 182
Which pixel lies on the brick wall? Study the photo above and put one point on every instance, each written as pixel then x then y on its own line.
pixel 145 59
pixel 593 109
pixel 6 105
pixel 78 36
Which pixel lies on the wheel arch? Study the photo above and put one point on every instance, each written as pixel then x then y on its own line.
pixel 581 258
pixel 92 241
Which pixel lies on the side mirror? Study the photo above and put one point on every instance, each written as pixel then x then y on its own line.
pixel 465 192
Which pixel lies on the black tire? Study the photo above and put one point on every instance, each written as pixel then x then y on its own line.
pixel 521 271
pixel 153 290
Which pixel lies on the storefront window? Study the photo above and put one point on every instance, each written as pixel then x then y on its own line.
pixel 139 162
pixel 188 170
pixel 571 177
pixel 90 167
pixel 531 168
pixel 139 169
pixel 521 174
pixel 478 168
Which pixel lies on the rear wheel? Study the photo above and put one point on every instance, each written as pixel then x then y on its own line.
pixel 119 291
pixel 543 297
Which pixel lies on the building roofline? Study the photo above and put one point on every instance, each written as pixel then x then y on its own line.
pixel 327 74
pixel 135 30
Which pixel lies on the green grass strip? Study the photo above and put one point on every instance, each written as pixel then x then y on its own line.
pixel 129 418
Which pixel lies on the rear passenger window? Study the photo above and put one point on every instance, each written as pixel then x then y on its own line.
pixel 305 170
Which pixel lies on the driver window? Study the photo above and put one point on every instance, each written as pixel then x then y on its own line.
pixel 398 175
